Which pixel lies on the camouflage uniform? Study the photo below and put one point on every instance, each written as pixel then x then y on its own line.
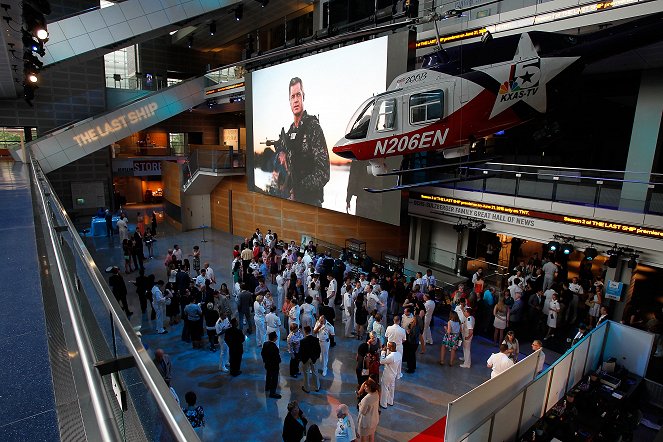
pixel 308 160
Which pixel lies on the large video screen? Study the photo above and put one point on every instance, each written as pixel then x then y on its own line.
pixel 300 109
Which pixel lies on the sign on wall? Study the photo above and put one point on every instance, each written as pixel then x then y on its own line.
pixel 129 119
pixel 614 290
pixel 231 138
pixel 432 205
pixel 136 167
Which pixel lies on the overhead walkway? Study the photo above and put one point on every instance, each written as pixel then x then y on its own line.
pixel 77 140
pixel 100 31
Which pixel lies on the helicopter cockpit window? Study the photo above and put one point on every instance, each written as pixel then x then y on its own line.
pixel 358 127
pixel 426 107
pixel 386 115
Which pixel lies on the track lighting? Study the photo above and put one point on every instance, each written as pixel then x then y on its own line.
pixel 591 253
pixel 553 246
pixel 567 249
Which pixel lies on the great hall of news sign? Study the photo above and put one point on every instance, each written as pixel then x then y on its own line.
pixel 435 205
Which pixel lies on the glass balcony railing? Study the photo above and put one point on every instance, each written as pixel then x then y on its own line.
pixel 215 160
pixel 103 333
pixel 597 188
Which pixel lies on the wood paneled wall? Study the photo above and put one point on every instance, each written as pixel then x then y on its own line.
pixel 171 176
pixel 290 219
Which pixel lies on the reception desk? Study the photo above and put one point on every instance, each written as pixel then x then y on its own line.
pixel 98 226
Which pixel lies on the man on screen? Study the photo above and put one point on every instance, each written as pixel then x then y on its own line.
pixel 302 158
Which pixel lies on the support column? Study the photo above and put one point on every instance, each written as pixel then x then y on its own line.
pixel 644 139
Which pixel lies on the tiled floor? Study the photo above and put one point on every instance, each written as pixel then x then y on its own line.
pixel 27 402
pixel 238 408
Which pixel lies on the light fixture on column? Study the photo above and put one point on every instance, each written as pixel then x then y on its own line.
pixel 35 22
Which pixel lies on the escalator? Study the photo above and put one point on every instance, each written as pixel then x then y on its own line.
pixel 99 31
pixel 72 142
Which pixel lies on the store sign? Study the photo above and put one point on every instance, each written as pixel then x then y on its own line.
pixel 116 124
pixel 425 204
pixel 614 289
pixel 147 168
pixel 136 168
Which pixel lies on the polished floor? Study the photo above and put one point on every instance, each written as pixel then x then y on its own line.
pixel 25 366
pixel 239 409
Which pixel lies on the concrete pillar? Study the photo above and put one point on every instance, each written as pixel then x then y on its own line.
pixel 644 139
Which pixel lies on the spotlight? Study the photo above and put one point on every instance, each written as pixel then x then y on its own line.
pixel 31 60
pixel 478 226
pixel 212 28
pixel 613 258
pixel 34 22
pixel 239 12
pixel 633 261
pixel 189 43
pixel 591 253
pixel 30 44
pixel 487 37
pixel 553 246
pixel 459 227
pixel 31 76
pixel 567 249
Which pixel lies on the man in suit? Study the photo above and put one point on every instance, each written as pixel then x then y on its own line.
pixel 235 340
pixel 271 358
pixel 309 352
pixel 603 315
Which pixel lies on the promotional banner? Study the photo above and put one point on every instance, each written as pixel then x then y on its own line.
pixel 300 110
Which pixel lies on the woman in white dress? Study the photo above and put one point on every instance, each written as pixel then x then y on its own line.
pixel 259 318
pixel 308 312
pixel 553 313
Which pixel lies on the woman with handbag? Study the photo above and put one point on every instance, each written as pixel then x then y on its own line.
pixel 501 322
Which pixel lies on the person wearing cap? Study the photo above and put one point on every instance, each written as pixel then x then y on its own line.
pixel 467 329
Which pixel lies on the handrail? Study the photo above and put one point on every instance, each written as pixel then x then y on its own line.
pixel 553 175
pixel 175 419
pixel 533 166
pixel 96 388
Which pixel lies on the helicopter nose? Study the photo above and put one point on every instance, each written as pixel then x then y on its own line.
pixel 344 151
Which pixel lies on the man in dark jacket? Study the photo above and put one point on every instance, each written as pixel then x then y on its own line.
pixel 119 289
pixel 244 307
pixel 272 359
pixel 235 340
pixel 309 352
pixel 141 290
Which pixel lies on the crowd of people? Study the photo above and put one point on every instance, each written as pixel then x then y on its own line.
pixel 318 299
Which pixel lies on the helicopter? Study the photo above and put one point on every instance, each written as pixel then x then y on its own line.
pixel 452 105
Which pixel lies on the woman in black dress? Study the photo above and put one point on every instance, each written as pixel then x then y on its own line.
pixel 294 426
pixel 361 316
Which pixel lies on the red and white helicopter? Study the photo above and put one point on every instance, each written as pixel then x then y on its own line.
pixel 448 107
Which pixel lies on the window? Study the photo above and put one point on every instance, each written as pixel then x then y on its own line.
pixel 386 115
pixel 358 127
pixel 176 143
pixel 426 107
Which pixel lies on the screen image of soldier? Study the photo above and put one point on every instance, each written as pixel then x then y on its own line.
pixel 301 161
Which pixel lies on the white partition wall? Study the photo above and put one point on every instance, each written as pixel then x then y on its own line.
pixel 596 339
pixel 503 408
pixel 535 401
pixel 560 374
pixel 467 412
pixel 578 363
pixel 629 346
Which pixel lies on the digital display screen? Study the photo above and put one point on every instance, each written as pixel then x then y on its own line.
pixel 300 109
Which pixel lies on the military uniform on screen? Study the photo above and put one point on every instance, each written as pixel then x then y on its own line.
pixel 308 160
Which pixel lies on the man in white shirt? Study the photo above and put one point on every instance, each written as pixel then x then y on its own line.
pixel 575 287
pixel 431 282
pixel 515 287
pixel 429 305
pixel 209 273
pixel 467 330
pixel 549 271
pixel 323 330
pixel 273 323
pixel 392 360
pixel 546 302
pixel 299 268
pixel 363 281
pixel 331 290
pixel 500 362
pixel 177 252
pixel 383 297
pixel 396 334
pixel 348 310
pixel 419 281
pixel 200 280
